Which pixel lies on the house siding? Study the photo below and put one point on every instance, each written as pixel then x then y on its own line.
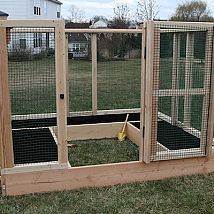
pixel 24 9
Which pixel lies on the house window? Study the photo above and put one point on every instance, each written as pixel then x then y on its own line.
pixel 22 43
pixel 58 14
pixel 37 7
pixel 37 40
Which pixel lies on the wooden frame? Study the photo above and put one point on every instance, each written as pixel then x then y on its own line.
pixel 58 176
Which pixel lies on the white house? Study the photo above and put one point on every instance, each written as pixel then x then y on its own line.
pixel 31 9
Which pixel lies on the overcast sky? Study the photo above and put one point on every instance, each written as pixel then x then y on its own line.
pixel 105 7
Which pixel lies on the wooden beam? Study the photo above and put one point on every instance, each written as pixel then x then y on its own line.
pixel 61 92
pixel 94 31
pixel 188 77
pixel 94 131
pixel 67 75
pixel 94 72
pixel 6 143
pixel 208 105
pixel 143 90
pixel 133 134
pixel 149 91
pixel 102 175
pixel 175 79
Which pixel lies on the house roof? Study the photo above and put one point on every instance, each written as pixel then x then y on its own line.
pixel 55 1
pixel 76 25
pixel 3 14
pixel 77 37
pixel 99 24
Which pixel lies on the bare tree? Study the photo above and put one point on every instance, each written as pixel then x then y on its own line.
pixel 122 12
pixel 192 11
pixel 147 10
pixel 75 14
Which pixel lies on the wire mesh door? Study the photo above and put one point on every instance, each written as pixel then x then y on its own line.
pixel 179 84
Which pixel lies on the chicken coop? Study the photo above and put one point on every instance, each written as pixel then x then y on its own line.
pixel 159 77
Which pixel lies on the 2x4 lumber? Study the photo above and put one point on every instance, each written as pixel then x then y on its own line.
pixel 175 80
pixel 188 77
pixel 6 143
pixel 67 75
pixel 61 93
pixel 30 23
pixel 180 92
pixel 94 72
pixel 103 175
pixel 95 31
pixel 208 103
pixel 143 84
pixel 193 25
pixel 94 131
pixel 148 91
pixel 133 134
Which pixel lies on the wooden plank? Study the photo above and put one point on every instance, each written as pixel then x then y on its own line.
pixel 102 175
pixel 93 31
pixel 188 77
pixel 30 23
pixel 67 75
pixel 133 134
pixel 191 25
pixel 207 114
pixel 61 99
pixel 94 72
pixel 148 91
pixel 180 92
pixel 210 134
pixel 6 143
pixel 94 131
pixel 175 79
pixel 143 90
pixel 76 113
pixel 155 99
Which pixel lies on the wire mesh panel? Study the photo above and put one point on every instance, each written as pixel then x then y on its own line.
pixel 32 78
pixel 119 68
pixel 182 57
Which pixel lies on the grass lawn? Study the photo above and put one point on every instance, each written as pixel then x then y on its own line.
pixel 193 194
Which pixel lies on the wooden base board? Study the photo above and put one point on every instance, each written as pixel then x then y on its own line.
pixel 101 175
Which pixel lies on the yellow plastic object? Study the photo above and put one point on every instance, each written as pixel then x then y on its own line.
pixel 122 135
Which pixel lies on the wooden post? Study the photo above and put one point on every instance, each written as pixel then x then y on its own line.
pixel 148 91
pixel 143 84
pixel 94 72
pixel 175 79
pixel 188 77
pixel 208 100
pixel 6 142
pixel 67 74
pixel 61 92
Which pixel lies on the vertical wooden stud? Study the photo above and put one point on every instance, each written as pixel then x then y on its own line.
pixel 94 72
pixel 67 75
pixel 143 84
pixel 188 77
pixel 61 93
pixel 148 91
pixel 6 142
pixel 175 75
pixel 208 100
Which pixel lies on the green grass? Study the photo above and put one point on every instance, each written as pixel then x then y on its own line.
pixel 193 194
pixel 93 152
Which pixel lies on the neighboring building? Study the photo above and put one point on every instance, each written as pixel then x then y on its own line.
pixel 78 43
pixel 99 24
pixel 34 10
pixel 31 9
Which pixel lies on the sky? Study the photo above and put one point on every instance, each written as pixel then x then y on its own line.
pixel 105 7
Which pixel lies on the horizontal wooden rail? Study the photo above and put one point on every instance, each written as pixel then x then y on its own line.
pixel 180 92
pixel 87 30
